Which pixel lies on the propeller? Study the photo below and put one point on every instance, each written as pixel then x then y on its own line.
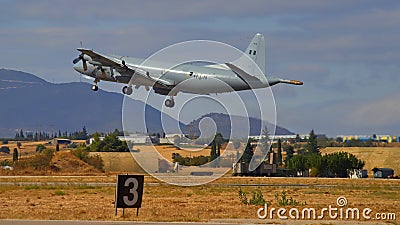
pixel 81 57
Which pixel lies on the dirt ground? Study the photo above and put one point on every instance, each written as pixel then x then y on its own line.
pixel 162 202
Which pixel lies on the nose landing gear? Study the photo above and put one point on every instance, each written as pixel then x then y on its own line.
pixel 170 102
pixel 127 90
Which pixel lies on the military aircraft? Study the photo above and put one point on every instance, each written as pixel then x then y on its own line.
pixel 167 80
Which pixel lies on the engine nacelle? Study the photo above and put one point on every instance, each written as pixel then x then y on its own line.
pixel 108 74
pixel 87 58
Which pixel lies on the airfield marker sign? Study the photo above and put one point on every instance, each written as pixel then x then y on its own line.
pixel 129 192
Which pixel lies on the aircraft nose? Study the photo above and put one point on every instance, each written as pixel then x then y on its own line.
pixel 78 67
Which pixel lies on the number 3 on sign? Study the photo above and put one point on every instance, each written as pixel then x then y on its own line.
pixel 129 191
pixel 133 191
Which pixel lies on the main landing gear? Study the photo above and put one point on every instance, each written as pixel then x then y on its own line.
pixel 95 87
pixel 127 90
pixel 170 102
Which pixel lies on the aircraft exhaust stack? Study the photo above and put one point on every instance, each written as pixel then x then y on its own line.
pixel 294 82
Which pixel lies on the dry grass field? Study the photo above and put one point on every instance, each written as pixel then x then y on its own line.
pixel 202 203
pixel 124 162
pixel 73 198
pixel 373 156
pixel 27 148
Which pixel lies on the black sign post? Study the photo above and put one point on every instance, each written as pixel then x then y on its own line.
pixel 129 192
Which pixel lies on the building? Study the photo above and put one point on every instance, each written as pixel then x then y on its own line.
pixel 61 141
pixel 284 138
pixel 374 137
pixel 136 138
pixel 383 172
pixel 133 138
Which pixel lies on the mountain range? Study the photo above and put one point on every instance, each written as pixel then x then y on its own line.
pixel 33 104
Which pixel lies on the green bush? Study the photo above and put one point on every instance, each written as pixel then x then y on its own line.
pixel 6 163
pixel 40 147
pixel 284 200
pixel 59 192
pixel 83 154
pixel 243 196
pixel 38 162
pixel 256 199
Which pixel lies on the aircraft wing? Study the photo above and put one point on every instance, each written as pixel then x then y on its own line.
pixel 128 73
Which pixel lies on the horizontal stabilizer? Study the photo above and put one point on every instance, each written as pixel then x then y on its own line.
pixel 251 81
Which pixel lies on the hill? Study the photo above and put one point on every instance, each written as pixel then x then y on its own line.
pixel 33 104
pixel 223 123
pixel 30 103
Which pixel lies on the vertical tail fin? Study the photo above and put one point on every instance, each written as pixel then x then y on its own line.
pixel 255 51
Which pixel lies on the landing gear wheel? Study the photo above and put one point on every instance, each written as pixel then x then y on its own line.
pixel 95 87
pixel 127 90
pixel 169 103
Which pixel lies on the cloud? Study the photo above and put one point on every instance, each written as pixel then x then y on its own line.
pixel 162 10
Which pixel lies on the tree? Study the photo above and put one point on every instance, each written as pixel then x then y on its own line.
pixel 19 144
pixel 298 138
pixel 236 144
pixel 317 165
pixel 218 142
pixel 96 143
pixel 177 141
pixel 40 147
pixel 84 133
pixel 219 139
pixel 339 163
pixel 15 155
pixel 265 143
pixel 111 143
pixel 57 148
pixel 279 154
pixel 213 153
pixel 21 134
pixel 247 154
pixel 289 152
pixel 312 146
pixel 298 163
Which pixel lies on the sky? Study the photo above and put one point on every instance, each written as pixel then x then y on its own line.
pixel 346 52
